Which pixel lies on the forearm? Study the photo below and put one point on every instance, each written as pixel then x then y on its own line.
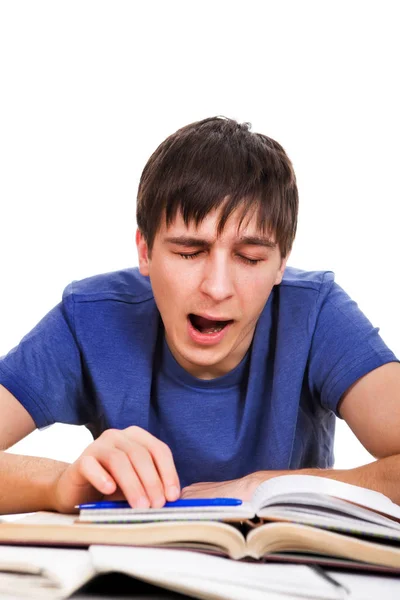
pixel 27 483
pixel 382 475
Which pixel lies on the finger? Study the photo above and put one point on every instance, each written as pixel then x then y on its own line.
pixel 162 457
pixel 142 462
pixel 158 453
pixel 91 470
pixel 140 459
pixel 117 464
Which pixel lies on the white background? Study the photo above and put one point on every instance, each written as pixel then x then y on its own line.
pixel 89 89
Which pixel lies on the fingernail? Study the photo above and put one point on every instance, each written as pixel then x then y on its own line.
pixel 108 486
pixel 173 492
pixel 142 502
pixel 158 502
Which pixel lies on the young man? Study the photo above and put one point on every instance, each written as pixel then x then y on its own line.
pixel 211 368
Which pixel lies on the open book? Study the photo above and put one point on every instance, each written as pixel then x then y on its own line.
pixel 291 518
pixel 50 573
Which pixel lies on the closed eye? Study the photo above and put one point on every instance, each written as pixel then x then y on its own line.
pixel 245 259
pixel 192 255
pixel 250 261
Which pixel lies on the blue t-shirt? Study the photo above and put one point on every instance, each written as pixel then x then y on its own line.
pixel 100 359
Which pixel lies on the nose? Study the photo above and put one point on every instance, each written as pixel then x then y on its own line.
pixel 217 280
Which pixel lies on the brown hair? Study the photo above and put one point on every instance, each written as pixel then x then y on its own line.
pixel 214 163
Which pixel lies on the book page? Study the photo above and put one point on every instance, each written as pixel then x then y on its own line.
pixel 369 587
pixel 48 518
pixel 300 484
pixel 329 520
pixel 58 529
pixel 43 572
pixel 185 572
pixel 290 537
pixel 143 515
pixel 307 506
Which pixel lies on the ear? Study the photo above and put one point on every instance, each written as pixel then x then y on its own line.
pixel 279 275
pixel 143 253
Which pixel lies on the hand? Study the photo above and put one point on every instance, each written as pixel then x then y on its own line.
pixel 242 488
pixel 126 464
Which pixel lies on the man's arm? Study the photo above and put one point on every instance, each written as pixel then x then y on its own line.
pixel 128 463
pixel 371 408
pixel 25 480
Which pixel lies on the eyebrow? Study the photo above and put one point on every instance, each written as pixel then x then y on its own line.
pixel 245 240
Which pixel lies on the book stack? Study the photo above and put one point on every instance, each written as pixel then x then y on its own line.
pixel 300 536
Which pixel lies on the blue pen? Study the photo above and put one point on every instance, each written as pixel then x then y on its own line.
pixel 182 503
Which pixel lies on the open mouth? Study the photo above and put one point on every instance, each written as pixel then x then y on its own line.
pixel 207 325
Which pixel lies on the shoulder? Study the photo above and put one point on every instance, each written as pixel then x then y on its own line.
pixel 298 280
pixel 127 286
pixel 318 291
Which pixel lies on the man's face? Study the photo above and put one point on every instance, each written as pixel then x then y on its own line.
pixel 210 290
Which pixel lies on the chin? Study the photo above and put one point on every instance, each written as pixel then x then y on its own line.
pixel 201 357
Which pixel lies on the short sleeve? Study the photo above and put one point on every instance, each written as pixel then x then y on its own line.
pixel 345 346
pixel 44 372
